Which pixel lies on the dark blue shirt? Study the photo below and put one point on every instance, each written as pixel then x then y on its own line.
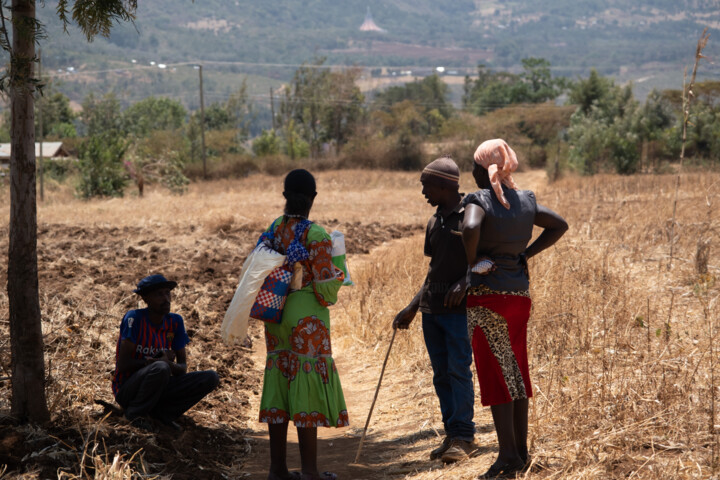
pixel 149 339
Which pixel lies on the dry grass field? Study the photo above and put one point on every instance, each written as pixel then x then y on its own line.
pixel 622 339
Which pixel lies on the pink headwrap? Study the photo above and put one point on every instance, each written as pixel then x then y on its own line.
pixel 500 161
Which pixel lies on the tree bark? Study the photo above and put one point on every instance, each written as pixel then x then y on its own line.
pixel 26 340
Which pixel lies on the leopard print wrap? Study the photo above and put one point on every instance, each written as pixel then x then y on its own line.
pixel 496 332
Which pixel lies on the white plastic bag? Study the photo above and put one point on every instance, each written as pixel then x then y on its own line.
pixel 338 250
pixel 261 261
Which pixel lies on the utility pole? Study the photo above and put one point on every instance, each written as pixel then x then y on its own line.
pixel 41 172
pixel 272 109
pixel 202 124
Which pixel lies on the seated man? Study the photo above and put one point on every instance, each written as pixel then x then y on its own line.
pixel 151 378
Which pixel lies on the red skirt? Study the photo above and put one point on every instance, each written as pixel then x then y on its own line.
pixel 498 324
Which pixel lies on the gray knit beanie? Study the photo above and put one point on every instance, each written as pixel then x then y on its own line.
pixel 442 172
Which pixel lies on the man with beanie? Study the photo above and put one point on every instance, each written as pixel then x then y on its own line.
pixel 441 300
pixel 151 379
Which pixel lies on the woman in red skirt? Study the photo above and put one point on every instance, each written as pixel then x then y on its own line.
pixel 498 226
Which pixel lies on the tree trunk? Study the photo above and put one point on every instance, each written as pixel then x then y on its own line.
pixel 26 341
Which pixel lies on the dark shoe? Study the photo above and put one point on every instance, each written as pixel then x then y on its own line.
pixel 292 476
pixel 172 426
pixel 459 450
pixel 167 424
pixel 143 424
pixel 528 463
pixel 503 470
pixel 323 476
pixel 438 452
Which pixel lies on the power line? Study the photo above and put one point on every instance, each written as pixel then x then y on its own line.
pixel 251 64
pixel 265 98
pixel 342 67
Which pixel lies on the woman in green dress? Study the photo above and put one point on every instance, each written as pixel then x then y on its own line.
pixel 301 382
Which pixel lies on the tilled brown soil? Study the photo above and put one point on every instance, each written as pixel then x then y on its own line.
pixel 86 279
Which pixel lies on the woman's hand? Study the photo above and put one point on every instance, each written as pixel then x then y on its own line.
pixel 483 269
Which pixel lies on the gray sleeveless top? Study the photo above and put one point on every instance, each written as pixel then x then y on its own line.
pixel 504 236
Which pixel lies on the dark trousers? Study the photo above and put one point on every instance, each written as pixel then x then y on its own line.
pixel 154 391
pixel 448 345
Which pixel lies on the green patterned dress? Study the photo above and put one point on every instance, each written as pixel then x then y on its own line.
pixel 301 382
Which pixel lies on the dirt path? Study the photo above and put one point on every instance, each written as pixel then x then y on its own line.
pixel 389 433
pixel 337 447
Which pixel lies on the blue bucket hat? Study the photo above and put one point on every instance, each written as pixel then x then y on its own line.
pixel 153 282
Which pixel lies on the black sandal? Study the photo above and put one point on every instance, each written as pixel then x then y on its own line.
pixel 324 476
pixel 503 470
pixel 293 476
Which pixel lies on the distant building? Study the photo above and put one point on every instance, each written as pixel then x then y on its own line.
pixel 369 24
pixel 50 150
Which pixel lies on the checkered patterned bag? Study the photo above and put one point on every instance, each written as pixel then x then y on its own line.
pixel 270 300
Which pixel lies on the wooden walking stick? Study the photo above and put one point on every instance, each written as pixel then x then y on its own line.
pixel 377 390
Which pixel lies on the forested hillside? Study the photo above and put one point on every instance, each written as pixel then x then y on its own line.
pixel 574 35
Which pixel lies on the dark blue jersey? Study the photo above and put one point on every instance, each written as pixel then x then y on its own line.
pixel 149 339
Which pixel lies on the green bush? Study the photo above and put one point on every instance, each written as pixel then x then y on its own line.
pixel 159 157
pixel 102 173
pixel 61 131
pixel 295 145
pixel 529 129
pixel 606 130
pixel 151 114
pixel 266 144
pixel 59 168
pixel 406 153
pixel 400 151
pixel 364 150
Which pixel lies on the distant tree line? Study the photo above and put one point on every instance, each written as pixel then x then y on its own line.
pixel 588 125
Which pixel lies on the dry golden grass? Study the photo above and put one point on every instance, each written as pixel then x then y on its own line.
pixel 622 349
pixel 345 195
